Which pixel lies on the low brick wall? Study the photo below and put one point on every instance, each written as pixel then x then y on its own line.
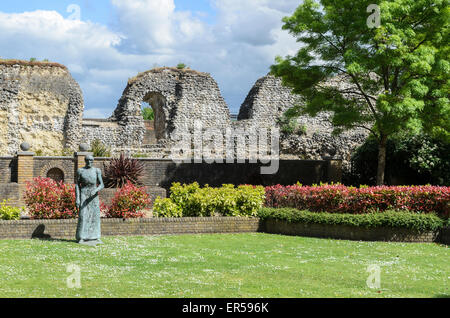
pixel 345 232
pixel 66 229
pixel 444 236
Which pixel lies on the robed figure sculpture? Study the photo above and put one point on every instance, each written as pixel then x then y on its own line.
pixel 88 184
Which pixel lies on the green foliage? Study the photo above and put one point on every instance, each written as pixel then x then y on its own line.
pixel 33 59
pixel 8 212
pixel 139 155
pixel 148 113
pixel 391 219
pixel 65 152
pixel 181 66
pixel 245 200
pixel 291 126
pixel 411 159
pixel 399 71
pixel 99 149
pixel 166 208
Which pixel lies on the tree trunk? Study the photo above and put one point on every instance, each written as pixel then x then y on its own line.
pixel 381 159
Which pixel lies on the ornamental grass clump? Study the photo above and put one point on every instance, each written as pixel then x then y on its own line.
pixel 128 202
pixel 341 199
pixel 48 199
pixel 122 170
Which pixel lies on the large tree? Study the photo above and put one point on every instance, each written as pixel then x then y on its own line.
pixel 396 71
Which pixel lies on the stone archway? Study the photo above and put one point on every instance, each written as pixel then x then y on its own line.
pixel 179 98
pixel 56 174
pixel 158 103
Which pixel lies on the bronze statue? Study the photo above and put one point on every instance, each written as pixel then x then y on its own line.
pixel 88 184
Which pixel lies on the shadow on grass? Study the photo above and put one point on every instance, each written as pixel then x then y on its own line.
pixel 39 234
pixel 442 296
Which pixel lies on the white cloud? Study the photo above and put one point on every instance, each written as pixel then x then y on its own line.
pixel 153 26
pixel 237 49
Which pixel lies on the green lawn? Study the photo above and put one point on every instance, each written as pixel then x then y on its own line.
pixel 223 265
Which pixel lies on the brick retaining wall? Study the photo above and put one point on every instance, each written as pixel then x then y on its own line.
pixel 65 229
pixel 444 236
pixel 345 232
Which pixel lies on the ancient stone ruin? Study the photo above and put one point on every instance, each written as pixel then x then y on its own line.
pixel 42 104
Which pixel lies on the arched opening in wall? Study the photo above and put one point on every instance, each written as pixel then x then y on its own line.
pixel 56 174
pixel 153 106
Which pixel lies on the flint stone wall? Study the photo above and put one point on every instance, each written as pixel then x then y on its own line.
pixel 39 103
pixel 42 104
pixel 265 105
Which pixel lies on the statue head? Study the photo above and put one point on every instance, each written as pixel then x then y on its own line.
pixel 89 161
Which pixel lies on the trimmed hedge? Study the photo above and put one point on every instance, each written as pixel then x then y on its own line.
pixel 391 219
pixel 48 199
pixel 128 202
pixel 341 199
pixel 193 200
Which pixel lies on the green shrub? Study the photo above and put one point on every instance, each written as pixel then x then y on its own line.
pixel 9 212
pixel 181 66
pixel 139 155
pixel 410 159
pixel 291 126
pixel 250 199
pixel 181 196
pixel 227 200
pixel 99 149
pixel 166 208
pixel 392 219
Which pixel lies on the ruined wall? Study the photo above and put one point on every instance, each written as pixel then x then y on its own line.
pixel 268 100
pixel 180 97
pixel 177 97
pixel 39 103
pixel 42 104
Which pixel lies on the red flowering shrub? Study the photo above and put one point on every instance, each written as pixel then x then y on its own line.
pixel 128 202
pixel 48 199
pixel 342 199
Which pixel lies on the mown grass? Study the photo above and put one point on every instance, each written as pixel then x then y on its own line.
pixel 223 265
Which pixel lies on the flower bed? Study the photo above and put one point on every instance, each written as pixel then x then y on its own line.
pixel 192 200
pixel 342 199
pixel 48 199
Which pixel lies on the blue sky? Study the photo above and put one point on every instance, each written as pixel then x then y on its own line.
pixel 235 41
